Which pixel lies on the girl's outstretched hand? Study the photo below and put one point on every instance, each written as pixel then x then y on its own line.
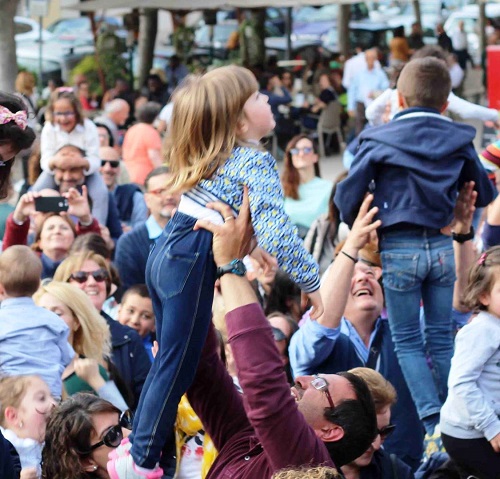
pixel 266 261
pixel 317 305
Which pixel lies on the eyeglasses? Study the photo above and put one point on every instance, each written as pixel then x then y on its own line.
pixel 320 384
pixel 386 431
pixel 114 434
pixel 306 150
pixel 82 276
pixel 112 163
pixel 64 113
pixel 158 191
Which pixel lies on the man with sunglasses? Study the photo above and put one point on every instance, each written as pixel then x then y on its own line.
pixel 351 333
pixel 128 196
pixel 326 419
pixel 375 462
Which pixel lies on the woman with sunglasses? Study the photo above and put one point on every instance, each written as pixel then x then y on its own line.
pixel 306 193
pixel 80 434
pixel 91 370
pixel 55 232
pixel 90 272
pixel 375 463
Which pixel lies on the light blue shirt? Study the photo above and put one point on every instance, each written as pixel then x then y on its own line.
pixel 139 210
pixel 363 84
pixel 154 229
pixel 313 343
pixel 33 340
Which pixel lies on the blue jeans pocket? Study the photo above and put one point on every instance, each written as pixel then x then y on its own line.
pixel 399 270
pixel 447 264
pixel 173 271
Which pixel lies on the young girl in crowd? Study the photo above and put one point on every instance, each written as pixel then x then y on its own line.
pixel 15 135
pixel 66 125
pixel 25 403
pixel 470 417
pixel 214 152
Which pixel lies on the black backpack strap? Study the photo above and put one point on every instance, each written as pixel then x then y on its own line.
pixel 374 350
pixel 394 466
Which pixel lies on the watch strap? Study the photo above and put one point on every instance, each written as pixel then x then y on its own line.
pixel 235 267
pixel 462 238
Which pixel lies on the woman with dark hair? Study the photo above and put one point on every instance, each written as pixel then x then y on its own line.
pixel 306 193
pixel 55 232
pixel 80 434
pixel 15 135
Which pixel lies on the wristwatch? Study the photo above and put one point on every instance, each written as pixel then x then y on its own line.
pixel 234 267
pixel 462 238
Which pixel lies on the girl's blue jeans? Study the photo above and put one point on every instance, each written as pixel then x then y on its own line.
pixel 418 264
pixel 180 274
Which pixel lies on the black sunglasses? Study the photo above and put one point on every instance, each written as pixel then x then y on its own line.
pixel 81 276
pixel 386 431
pixel 114 434
pixel 112 163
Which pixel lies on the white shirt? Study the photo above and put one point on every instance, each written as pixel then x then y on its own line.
pixel 166 113
pixel 353 66
pixel 458 106
pixel 456 75
pixel 459 40
pixel 83 136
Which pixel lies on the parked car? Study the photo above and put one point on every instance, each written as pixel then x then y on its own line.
pixel 362 34
pixel 79 30
pixel 28 30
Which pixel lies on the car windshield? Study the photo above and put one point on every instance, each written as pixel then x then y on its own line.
pixel 311 14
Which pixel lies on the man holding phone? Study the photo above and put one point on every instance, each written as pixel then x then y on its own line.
pixel 69 172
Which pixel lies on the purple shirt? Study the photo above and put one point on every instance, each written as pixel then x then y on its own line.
pixel 261 431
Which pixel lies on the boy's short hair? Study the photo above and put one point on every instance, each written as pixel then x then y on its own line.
pixel 139 289
pixel 383 392
pixel 20 271
pixel 425 82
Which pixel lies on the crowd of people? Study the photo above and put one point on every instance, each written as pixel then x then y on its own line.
pixel 176 304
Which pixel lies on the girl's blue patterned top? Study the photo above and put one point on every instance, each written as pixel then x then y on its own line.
pixel 275 233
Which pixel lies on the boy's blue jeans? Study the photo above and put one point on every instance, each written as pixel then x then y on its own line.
pixel 180 274
pixel 418 264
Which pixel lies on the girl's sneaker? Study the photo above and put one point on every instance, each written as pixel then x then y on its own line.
pixel 121 465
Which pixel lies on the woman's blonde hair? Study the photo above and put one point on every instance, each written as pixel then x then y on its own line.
pixel 75 261
pixel 92 339
pixel 205 119
pixel 320 472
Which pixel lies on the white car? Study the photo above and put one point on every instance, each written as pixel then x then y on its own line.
pixel 28 30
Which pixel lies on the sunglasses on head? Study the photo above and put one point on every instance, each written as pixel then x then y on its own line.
pixel 112 163
pixel 114 434
pixel 386 431
pixel 82 276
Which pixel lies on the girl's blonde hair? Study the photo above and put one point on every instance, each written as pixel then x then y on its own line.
pixel 92 339
pixel 205 120
pixel 12 391
pixel 481 278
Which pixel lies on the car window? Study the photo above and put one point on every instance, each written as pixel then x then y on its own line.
pixel 70 25
pixel 21 27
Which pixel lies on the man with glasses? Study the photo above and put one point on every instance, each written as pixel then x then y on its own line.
pixel 351 333
pixel 132 249
pixel 375 462
pixel 128 196
pixel 326 419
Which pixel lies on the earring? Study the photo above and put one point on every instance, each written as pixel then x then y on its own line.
pixel 94 468
pixel 21 425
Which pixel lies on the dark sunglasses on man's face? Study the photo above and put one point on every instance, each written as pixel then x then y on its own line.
pixel 114 434
pixel 112 163
pixel 82 276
